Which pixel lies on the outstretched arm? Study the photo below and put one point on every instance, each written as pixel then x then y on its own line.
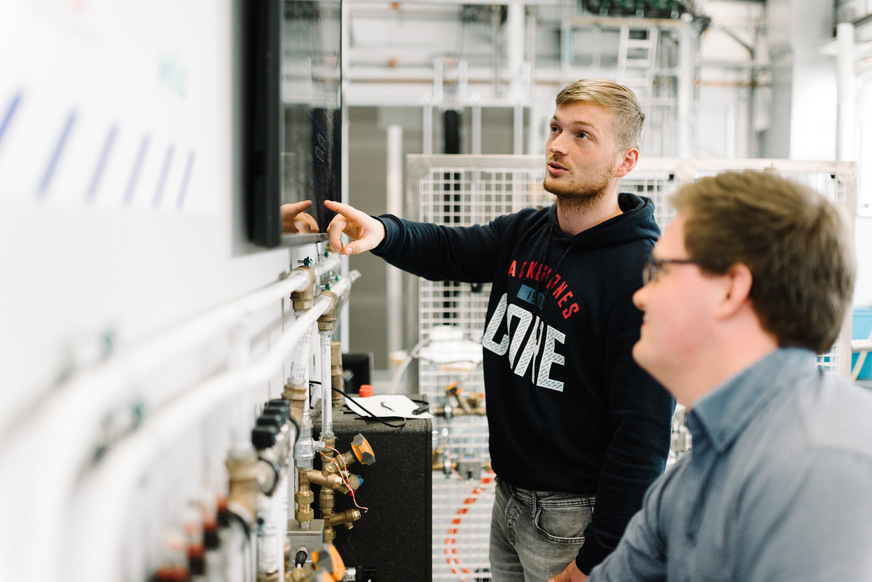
pixel 365 231
pixel 295 219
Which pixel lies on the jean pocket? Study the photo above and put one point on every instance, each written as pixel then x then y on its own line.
pixel 563 524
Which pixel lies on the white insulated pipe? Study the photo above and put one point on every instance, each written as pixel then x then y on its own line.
pixel 518 129
pixel 394 206
pixel 427 138
pixel 846 83
pixel 48 472
pixel 340 291
pixel 687 67
pixel 475 141
pixel 515 29
pixel 100 508
pixel 306 419
pixel 326 392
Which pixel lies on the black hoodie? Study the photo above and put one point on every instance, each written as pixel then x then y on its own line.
pixel 568 408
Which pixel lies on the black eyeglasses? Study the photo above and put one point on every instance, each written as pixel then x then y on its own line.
pixel 653 267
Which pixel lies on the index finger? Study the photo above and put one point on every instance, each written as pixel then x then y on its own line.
pixel 334 233
pixel 344 209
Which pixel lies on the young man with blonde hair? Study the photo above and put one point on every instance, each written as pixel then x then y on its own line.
pixel 751 279
pixel 577 429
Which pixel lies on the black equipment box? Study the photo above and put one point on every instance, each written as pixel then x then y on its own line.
pixel 393 540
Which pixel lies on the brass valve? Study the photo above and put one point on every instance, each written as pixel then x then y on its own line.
pixel 302 299
pixel 345 518
pixel 297 396
pixel 332 480
pixel 471 404
pixel 334 476
pixel 328 318
pixel 243 484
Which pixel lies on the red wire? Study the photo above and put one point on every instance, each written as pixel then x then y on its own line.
pixel 451 540
pixel 342 476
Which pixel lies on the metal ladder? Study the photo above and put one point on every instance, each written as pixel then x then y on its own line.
pixel 637 59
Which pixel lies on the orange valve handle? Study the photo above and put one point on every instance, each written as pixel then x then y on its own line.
pixel 328 561
pixel 362 450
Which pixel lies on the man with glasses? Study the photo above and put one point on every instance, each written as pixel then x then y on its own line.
pixel 577 430
pixel 751 279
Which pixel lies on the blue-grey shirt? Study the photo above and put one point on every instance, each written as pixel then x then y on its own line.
pixel 777 487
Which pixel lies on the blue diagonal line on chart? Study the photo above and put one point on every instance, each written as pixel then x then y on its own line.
pixel 7 117
pixel 184 189
pixel 48 174
pixel 134 172
pixel 101 163
pixel 168 162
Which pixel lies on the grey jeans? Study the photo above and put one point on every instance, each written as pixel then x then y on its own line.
pixel 535 534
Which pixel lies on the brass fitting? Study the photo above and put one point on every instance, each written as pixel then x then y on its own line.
pixel 329 480
pixel 302 299
pixel 441 462
pixel 361 451
pixel 448 466
pixel 243 485
pixel 449 411
pixel 304 497
pixel 326 503
pixel 436 460
pixel 467 404
pixel 345 518
pixel 303 574
pixel 332 468
pixel 325 497
pixel 474 399
pixel 297 396
pixel 332 477
pixel 328 319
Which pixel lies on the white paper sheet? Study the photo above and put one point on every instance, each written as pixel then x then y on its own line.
pixel 385 406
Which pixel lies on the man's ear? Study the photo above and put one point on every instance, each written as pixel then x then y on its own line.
pixel 627 162
pixel 737 289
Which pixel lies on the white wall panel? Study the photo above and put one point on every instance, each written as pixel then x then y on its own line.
pixel 132 220
pixel 121 222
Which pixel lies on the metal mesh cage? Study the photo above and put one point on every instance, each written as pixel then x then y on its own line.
pixel 469 190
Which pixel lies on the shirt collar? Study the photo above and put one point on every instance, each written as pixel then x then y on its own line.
pixel 724 412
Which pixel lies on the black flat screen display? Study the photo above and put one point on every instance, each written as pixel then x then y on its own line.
pixel 311 43
pixel 293 109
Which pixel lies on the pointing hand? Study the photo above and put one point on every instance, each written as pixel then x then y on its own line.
pixel 365 231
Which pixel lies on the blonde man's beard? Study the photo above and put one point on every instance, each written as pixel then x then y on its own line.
pixel 581 196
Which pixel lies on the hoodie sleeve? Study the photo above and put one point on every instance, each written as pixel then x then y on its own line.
pixel 440 253
pixel 640 412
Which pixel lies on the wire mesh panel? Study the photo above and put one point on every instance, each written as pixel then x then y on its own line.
pixel 463 491
pixel 463 495
pixel 468 190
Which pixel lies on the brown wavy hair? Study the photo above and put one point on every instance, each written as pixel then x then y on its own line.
pixel 795 242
